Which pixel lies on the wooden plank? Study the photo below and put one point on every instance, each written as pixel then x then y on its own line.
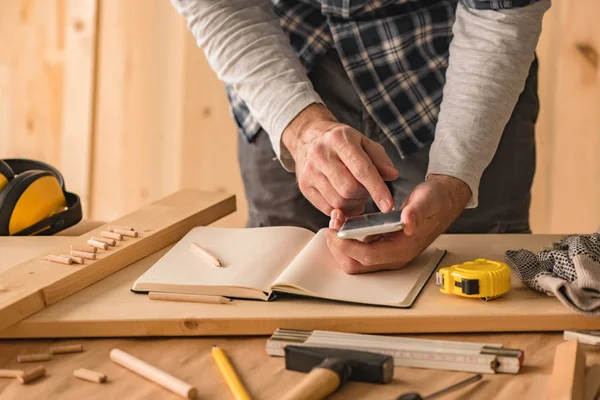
pixel 575 191
pixel 78 96
pixel 266 377
pixel 35 284
pixel 32 37
pixel 108 308
pixel 568 372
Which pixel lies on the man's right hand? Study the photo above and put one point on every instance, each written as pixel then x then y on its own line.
pixel 337 167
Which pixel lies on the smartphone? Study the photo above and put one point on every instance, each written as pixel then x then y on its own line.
pixel 371 224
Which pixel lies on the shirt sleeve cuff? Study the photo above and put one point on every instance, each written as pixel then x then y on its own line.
pixel 472 180
pixel 287 113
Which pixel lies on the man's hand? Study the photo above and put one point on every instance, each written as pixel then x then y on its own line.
pixel 337 167
pixel 426 213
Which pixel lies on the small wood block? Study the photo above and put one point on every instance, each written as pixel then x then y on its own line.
pixel 70 348
pixel 89 375
pixel 76 260
pixel 59 259
pixel 112 228
pixel 34 357
pixel 568 372
pixel 97 244
pixel 11 373
pixel 83 254
pixel 111 235
pixel 125 232
pixel 84 247
pixel 32 375
pixel 110 242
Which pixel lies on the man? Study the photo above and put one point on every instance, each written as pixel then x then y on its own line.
pixel 428 105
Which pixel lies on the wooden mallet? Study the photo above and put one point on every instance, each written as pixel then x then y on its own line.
pixel 328 369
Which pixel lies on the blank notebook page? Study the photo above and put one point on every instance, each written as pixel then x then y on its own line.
pixel 316 271
pixel 251 257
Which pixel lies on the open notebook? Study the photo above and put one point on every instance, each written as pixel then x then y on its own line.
pixel 260 261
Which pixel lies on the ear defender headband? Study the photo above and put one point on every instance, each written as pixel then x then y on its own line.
pixel 33 199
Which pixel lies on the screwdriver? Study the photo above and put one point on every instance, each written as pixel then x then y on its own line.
pixel 417 396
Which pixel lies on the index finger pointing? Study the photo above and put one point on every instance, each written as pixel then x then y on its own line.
pixel 361 166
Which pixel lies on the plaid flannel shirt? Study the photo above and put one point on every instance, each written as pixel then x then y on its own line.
pixel 394 51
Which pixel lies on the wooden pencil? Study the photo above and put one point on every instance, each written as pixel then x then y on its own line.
pixel 190 298
pixel 153 374
pixel 206 255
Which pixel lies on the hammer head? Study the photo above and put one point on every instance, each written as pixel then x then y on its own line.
pixel 361 366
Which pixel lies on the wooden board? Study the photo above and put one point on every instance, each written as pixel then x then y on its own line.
pixel 32 285
pixel 108 308
pixel 568 373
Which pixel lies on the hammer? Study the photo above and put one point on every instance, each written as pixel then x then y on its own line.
pixel 328 369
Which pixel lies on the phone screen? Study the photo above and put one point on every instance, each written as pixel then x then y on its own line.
pixel 375 219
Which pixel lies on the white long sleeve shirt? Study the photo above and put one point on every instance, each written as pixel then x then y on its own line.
pixel 490 56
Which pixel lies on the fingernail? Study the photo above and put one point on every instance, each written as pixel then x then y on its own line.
pixel 334 214
pixel 331 221
pixel 385 205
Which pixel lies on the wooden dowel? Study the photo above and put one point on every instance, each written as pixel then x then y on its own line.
pixel 108 241
pixel 97 244
pixel 125 232
pixel 153 374
pixel 84 247
pixel 76 260
pixel 83 254
pixel 112 228
pixel 32 375
pixel 69 348
pixel 34 357
pixel 190 298
pixel 111 235
pixel 59 259
pixel 11 373
pixel 89 375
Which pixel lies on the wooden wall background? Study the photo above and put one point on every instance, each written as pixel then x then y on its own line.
pixel 116 94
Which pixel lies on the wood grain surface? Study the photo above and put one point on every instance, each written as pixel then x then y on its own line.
pixel 31 286
pixel 108 308
pixel 266 378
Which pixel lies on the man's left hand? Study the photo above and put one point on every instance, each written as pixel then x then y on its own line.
pixel 427 212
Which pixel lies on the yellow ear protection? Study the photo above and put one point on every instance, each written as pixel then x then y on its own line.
pixel 33 199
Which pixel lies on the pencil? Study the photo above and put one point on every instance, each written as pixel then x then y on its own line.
pixel 191 298
pixel 231 377
pixel 202 252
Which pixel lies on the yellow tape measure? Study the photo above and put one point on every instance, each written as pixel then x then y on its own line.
pixel 482 279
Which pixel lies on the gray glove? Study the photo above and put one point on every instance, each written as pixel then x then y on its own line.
pixel 570 271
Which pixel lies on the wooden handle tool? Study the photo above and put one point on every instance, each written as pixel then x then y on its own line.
pixel 330 368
